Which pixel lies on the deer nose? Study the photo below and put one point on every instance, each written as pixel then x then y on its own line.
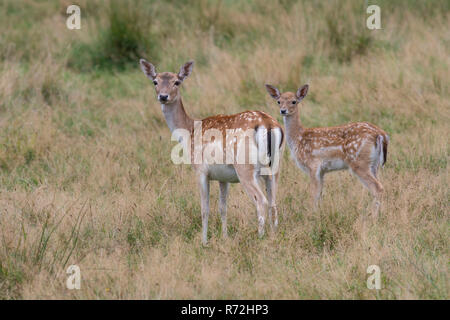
pixel 163 97
pixel 283 111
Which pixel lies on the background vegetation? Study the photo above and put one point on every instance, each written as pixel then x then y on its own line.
pixel 85 170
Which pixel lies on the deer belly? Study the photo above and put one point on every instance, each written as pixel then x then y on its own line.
pixel 302 166
pixel 333 165
pixel 223 173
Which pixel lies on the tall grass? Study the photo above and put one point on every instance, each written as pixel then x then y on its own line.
pixel 127 36
pixel 347 37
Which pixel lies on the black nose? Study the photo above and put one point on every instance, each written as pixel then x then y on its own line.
pixel 163 97
pixel 283 111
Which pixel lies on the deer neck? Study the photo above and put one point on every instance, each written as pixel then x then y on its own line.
pixel 294 128
pixel 176 116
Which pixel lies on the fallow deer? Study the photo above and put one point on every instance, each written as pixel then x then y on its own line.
pixel 267 135
pixel 360 146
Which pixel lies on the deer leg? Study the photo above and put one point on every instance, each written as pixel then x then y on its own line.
pixel 223 192
pixel 252 188
pixel 204 195
pixel 374 169
pixel 373 185
pixel 317 185
pixel 271 188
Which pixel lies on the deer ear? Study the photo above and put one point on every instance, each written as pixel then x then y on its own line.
pixel 274 92
pixel 148 69
pixel 186 70
pixel 302 92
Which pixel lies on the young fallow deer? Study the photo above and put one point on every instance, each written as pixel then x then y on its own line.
pixel 266 134
pixel 360 146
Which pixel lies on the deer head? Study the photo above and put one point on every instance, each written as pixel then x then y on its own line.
pixel 167 84
pixel 288 100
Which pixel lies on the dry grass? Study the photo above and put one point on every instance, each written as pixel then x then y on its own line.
pixel 86 176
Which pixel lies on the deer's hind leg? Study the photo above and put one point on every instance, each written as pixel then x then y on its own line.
pixel 371 183
pixel 271 189
pixel 204 195
pixel 247 177
pixel 223 193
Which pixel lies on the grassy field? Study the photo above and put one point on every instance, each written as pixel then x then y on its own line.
pixel 86 176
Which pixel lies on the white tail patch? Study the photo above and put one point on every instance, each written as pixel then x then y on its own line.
pixel 380 150
pixel 261 138
pixel 269 145
pixel 276 141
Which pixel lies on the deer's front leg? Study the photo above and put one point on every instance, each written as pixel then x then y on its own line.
pixel 317 185
pixel 204 195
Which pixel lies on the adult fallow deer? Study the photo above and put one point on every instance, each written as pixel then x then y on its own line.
pixel 266 134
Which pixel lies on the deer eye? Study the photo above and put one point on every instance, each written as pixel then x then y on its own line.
pixel 294 102
pixel 177 83
pixel 278 101
pixel 155 83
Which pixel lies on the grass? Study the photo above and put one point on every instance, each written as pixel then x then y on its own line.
pixel 85 170
pixel 127 36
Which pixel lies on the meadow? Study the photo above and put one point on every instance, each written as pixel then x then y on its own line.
pixel 85 171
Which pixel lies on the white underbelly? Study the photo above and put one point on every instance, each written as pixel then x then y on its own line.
pixel 333 165
pixel 223 173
